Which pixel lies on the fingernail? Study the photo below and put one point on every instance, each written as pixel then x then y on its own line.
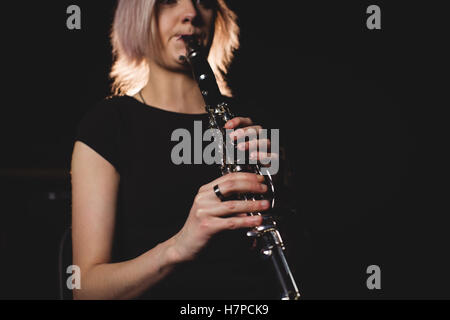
pixel 263 187
pixel 265 204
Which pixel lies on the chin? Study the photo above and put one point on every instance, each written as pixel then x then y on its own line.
pixel 179 66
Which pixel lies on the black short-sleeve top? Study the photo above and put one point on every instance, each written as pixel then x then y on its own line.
pixel 155 196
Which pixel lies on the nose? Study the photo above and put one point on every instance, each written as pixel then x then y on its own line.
pixel 189 12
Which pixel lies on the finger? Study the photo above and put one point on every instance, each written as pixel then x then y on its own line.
pixel 253 145
pixel 264 158
pixel 237 223
pixel 234 207
pixel 241 215
pixel 231 176
pixel 230 187
pixel 238 122
pixel 252 132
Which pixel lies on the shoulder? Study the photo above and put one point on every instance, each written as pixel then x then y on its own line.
pixel 111 108
pixel 103 116
pixel 101 128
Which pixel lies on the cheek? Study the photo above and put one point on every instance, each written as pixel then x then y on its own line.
pixel 167 23
pixel 159 36
pixel 165 28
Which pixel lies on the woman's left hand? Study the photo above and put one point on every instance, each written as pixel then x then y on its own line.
pixel 244 127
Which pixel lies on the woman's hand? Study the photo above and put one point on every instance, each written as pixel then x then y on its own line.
pixel 209 215
pixel 248 129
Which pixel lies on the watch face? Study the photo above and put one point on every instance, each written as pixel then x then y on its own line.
pixel 342 98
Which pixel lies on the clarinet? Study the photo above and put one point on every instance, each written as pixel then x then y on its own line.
pixel 267 235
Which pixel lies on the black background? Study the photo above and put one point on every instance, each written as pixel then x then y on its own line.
pixel 358 111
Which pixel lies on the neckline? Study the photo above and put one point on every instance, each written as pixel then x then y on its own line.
pixel 164 110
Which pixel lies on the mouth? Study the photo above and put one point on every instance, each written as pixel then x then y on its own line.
pixel 185 40
pixel 185 36
pixel 179 37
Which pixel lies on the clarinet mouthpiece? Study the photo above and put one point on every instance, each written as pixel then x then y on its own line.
pixel 193 45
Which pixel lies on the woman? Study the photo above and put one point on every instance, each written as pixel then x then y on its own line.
pixel 144 227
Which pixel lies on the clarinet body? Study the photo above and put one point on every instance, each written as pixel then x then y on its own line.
pixel 267 235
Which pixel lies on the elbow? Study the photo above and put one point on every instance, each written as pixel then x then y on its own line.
pixel 81 286
pixel 77 294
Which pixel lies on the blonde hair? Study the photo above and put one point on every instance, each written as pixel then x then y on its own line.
pixel 131 43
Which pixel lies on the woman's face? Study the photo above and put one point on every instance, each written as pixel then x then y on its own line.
pixel 182 17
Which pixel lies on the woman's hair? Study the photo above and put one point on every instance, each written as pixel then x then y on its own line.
pixel 131 43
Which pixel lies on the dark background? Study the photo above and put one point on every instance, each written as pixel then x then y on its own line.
pixel 358 112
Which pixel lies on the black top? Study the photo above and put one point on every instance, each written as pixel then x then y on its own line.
pixel 155 197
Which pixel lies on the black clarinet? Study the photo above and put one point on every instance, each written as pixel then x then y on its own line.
pixel 268 236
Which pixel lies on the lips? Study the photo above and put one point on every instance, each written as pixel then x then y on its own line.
pixel 180 36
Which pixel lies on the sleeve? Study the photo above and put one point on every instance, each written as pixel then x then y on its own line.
pixel 99 129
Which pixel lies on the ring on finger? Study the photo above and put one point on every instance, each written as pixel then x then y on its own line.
pixel 218 193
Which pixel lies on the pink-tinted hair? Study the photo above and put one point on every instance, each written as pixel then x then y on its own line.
pixel 131 42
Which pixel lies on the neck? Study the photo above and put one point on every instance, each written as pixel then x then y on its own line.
pixel 173 91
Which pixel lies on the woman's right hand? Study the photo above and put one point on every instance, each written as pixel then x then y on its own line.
pixel 209 215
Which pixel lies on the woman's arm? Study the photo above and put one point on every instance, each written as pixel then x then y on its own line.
pixel 94 195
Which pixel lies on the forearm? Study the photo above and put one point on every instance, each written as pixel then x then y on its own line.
pixel 128 279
